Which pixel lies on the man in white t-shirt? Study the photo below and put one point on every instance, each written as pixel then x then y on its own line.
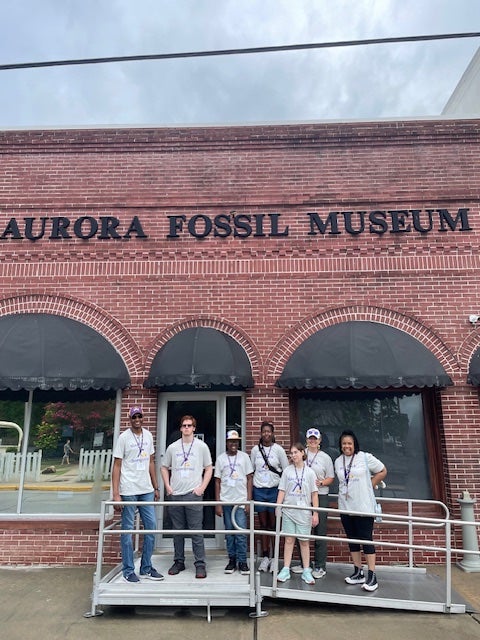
pixel 186 471
pixel 134 479
pixel 233 483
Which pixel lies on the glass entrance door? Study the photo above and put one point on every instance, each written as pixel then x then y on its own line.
pixel 215 413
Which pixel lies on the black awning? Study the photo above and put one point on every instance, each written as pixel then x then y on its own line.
pixel 201 357
pixel 474 369
pixel 360 355
pixel 45 351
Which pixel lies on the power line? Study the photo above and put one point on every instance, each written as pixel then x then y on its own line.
pixel 234 52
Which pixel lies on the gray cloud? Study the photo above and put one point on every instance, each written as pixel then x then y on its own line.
pixel 360 82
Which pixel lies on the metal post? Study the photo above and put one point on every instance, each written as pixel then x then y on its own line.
pixel 410 534
pixel 470 561
pixel 448 567
pixel 97 576
pixel 258 613
pixel 26 435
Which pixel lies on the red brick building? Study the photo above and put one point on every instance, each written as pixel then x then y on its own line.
pixel 318 274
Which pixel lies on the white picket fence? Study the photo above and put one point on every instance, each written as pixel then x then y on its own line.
pixel 10 466
pixel 94 465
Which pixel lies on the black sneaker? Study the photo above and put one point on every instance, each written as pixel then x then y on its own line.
pixel 243 568
pixel 231 566
pixel 132 578
pixel 371 584
pixel 200 571
pixel 176 568
pixel 153 574
pixel 357 577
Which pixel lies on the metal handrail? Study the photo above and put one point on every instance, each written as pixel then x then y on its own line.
pixel 408 520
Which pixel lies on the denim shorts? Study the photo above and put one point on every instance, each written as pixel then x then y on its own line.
pixel 265 494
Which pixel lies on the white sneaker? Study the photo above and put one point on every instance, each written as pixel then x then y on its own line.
pixel 271 565
pixel 371 584
pixel 357 577
pixel 297 569
pixel 318 573
pixel 264 564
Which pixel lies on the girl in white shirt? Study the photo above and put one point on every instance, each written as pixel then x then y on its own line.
pixel 298 487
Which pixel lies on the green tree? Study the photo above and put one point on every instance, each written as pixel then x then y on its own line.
pixel 47 436
pixel 84 418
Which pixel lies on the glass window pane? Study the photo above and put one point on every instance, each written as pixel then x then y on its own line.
pixel 11 412
pixel 388 424
pixel 234 414
pixel 68 456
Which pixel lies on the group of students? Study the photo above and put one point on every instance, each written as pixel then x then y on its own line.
pixel 305 483
pixel 267 477
pixel 302 483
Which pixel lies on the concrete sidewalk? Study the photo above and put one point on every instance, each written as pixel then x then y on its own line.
pixel 48 604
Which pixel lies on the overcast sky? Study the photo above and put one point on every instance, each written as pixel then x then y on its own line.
pixel 376 81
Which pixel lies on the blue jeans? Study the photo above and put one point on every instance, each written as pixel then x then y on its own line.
pixel 187 517
pixel 237 544
pixel 147 516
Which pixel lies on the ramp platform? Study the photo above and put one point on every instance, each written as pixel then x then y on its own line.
pixel 399 588
pixel 183 590
pixel 404 587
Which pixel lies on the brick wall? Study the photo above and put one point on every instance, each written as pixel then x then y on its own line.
pixel 63 543
pixel 269 293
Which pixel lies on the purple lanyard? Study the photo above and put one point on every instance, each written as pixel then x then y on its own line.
pixel 232 467
pixel 139 443
pixel 310 462
pixel 299 482
pixel 346 470
pixel 185 456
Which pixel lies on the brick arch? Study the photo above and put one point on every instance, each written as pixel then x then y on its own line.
pixel 229 329
pixel 467 349
pixel 91 315
pixel 309 326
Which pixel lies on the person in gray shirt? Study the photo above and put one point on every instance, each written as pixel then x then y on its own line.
pixel 186 471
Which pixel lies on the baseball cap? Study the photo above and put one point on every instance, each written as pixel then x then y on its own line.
pixel 233 435
pixel 135 410
pixel 313 433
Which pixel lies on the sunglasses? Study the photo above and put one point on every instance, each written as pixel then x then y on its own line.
pixel 136 417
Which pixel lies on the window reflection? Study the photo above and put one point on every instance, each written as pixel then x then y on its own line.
pixel 65 465
pixel 388 424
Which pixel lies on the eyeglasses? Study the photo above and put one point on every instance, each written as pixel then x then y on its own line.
pixel 187 426
pixel 136 417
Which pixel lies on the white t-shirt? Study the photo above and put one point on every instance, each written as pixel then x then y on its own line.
pixel 298 484
pixel 187 462
pixel 134 452
pixel 277 458
pixel 322 464
pixel 354 484
pixel 233 472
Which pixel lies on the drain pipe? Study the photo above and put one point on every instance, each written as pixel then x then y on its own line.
pixel 470 561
